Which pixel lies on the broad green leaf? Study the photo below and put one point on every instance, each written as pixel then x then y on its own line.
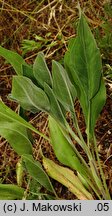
pixel 83 63
pixel 16 135
pixel 36 171
pixel 28 95
pixel 14 59
pixel 41 71
pixel 63 149
pixel 10 116
pixel 66 177
pixel 55 109
pixel 85 57
pixel 61 86
pixel 11 192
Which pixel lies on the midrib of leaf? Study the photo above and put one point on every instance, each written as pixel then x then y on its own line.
pixel 85 57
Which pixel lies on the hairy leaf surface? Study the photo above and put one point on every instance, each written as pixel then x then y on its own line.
pixel 28 95
pixel 55 109
pixel 61 84
pixel 41 71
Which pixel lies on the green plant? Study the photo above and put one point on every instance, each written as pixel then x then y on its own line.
pixel 38 43
pixel 35 88
pixel 30 45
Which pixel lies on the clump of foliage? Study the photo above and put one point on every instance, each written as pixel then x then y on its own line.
pixel 35 89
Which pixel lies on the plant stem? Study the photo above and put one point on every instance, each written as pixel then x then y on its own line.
pixel 91 157
pixel 89 176
pixel 77 139
pixel 91 161
pixel 107 195
pixel 84 146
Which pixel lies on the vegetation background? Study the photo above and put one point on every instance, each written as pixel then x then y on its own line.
pixel 30 26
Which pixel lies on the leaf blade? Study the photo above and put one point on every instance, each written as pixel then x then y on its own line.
pixel 55 109
pixel 41 71
pixel 11 116
pixel 36 171
pixel 14 59
pixel 29 96
pixel 11 192
pixel 86 58
pixel 84 66
pixel 17 136
pixel 62 86
pixel 66 177
pixel 63 149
